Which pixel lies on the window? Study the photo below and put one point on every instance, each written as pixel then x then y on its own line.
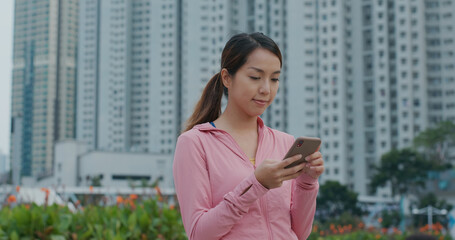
pixel 367 11
pixel 405 128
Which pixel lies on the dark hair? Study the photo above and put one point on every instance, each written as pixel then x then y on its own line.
pixel 234 55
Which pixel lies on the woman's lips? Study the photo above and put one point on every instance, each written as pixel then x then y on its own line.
pixel 260 102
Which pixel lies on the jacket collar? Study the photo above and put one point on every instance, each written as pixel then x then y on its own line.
pixel 207 127
pixel 230 143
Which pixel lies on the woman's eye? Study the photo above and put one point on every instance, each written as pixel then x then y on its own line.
pixel 275 79
pixel 255 78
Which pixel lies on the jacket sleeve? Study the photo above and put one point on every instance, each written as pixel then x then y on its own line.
pixel 304 191
pixel 303 204
pixel 192 184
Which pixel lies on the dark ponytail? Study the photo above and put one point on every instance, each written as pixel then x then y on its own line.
pixel 209 106
pixel 234 55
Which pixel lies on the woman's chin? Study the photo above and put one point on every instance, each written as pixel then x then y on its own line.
pixel 257 113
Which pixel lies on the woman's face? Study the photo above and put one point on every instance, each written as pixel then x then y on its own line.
pixel 254 86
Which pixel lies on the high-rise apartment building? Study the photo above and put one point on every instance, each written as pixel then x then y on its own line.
pixel 43 85
pixel 440 54
pixel 320 89
pixel 383 73
pixel 127 75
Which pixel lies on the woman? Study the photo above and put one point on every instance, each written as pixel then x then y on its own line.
pixel 228 169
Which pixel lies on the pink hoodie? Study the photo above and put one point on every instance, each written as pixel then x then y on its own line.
pixel 220 197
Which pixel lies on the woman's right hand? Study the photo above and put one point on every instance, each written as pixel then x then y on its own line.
pixel 271 173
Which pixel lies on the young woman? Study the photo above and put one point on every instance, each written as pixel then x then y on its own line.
pixel 228 169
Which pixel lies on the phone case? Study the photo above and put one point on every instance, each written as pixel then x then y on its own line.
pixel 302 145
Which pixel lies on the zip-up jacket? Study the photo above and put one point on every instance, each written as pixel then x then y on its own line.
pixel 220 197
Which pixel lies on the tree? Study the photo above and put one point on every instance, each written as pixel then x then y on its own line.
pixel 405 170
pixel 435 141
pixel 335 199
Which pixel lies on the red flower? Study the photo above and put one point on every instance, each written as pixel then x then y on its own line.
pixel 46 191
pixel 158 192
pixel 11 199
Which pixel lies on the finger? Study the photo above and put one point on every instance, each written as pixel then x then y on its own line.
pixel 292 176
pixel 316 162
pixel 289 160
pixel 313 156
pixel 292 170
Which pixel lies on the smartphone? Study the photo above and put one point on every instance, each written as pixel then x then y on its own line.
pixel 305 146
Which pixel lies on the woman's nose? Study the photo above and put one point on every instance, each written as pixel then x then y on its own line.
pixel 265 87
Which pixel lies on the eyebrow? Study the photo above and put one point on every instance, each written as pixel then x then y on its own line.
pixel 260 70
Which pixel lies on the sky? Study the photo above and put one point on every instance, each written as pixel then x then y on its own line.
pixel 6 47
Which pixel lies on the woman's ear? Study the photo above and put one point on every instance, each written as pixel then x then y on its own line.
pixel 226 78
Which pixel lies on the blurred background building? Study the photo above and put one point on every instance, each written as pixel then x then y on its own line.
pixel 76 165
pixel 44 80
pixel 127 76
pixel 365 76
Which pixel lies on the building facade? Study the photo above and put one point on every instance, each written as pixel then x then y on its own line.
pixel 43 84
pixel 127 75
pixel 383 72
pixel 76 166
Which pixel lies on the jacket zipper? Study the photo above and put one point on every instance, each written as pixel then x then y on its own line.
pixel 261 200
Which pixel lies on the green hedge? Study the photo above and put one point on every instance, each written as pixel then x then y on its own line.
pixel 150 219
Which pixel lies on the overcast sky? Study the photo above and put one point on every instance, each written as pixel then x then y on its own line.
pixel 6 46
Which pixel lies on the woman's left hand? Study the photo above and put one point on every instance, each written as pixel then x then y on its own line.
pixel 315 165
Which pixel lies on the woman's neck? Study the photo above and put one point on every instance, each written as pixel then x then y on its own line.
pixel 236 121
